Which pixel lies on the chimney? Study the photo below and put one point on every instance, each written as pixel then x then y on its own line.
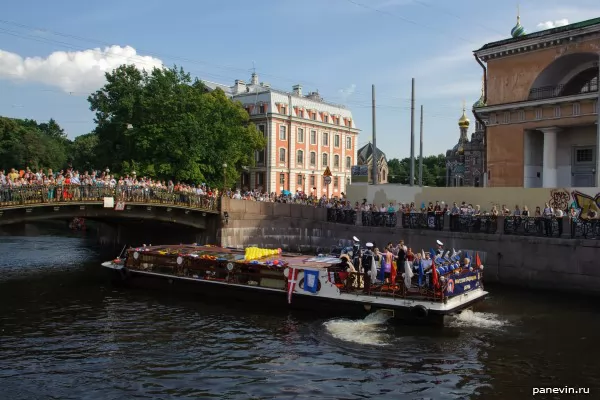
pixel 254 80
pixel 297 89
pixel 239 87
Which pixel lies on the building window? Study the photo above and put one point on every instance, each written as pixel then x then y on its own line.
pixel 283 109
pixel 301 113
pixel 493 118
pixel 300 135
pixel 261 129
pixel 312 181
pixel 336 181
pixel 282 132
pixel 313 158
pixel 313 137
pixel 348 162
pixel 584 156
pixel 538 114
pixel 326 119
pixel 325 139
pixel 336 140
pixel 260 157
pixel 576 108
pixel 261 109
pixel 300 157
pixel 313 116
pixel 507 117
pixel 282 155
pixel 282 179
pixel 260 178
pixel 557 112
pixel 521 115
pixel 348 143
pixel 324 160
pixel 336 161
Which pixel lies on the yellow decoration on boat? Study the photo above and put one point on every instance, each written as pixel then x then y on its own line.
pixel 255 253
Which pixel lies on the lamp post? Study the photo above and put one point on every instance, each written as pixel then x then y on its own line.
pixel 224 177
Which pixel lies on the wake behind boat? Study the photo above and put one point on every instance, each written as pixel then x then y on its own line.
pixel 292 280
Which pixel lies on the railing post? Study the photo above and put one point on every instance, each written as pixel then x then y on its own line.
pixel 358 218
pixel 564 225
pixel 499 225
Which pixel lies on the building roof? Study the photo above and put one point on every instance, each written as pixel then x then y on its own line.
pixel 541 34
pixel 365 152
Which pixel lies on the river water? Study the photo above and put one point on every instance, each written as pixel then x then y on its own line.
pixel 67 333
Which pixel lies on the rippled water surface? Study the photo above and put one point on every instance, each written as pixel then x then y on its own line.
pixel 66 333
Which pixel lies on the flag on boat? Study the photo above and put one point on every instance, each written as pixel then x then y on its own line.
pixel 408 274
pixel 434 274
pixel 477 260
pixel 311 280
pixel 292 276
pixel 394 272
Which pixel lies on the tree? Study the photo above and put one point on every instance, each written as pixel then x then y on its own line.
pixel 434 170
pixel 165 125
pixel 83 151
pixel 23 143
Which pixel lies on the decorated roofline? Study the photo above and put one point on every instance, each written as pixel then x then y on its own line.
pixel 537 40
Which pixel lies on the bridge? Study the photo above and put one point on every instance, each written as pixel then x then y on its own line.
pixel 35 203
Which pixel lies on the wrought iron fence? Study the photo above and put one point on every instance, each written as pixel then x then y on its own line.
pixel 423 221
pixel 474 223
pixel 585 229
pixel 533 226
pixel 373 218
pixel 15 196
pixel 341 216
pixel 547 92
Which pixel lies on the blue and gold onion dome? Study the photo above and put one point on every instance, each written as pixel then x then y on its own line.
pixel 518 29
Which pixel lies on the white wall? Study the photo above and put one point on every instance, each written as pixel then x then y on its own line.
pixel 533 159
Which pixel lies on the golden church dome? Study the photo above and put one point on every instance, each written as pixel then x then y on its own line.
pixel 464 122
pixel 461 149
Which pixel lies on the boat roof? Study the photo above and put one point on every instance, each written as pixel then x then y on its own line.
pixel 238 255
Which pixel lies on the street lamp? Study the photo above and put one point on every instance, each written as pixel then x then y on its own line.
pixel 225 176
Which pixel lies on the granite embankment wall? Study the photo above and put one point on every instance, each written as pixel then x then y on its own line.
pixel 547 263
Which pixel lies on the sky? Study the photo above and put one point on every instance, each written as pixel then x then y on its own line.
pixel 53 57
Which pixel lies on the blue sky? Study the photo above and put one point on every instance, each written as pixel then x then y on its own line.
pixel 335 46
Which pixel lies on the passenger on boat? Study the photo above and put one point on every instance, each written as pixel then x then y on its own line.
pixel 440 248
pixel 368 264
pixel 348 267
pixel 386 264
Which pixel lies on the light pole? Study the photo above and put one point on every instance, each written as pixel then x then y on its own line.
pixel 224 177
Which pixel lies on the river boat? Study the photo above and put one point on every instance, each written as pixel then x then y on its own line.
pixel 294 280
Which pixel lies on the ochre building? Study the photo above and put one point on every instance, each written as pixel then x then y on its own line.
pixel 540 106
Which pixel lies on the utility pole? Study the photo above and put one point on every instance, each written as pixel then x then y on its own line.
pixel 374 138
pixel 412 135
pixel 421 152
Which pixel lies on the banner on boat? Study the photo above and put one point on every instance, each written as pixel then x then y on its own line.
pixel 462 283
pixel 311 280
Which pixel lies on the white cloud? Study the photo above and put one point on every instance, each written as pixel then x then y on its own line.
pixel 552 24
pixel 78 71
pixel 346 93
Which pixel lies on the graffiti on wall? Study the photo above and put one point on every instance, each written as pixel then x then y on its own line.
pixel 559 199
pixel 587 206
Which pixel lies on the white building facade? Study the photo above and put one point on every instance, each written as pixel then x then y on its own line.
pixel 305 136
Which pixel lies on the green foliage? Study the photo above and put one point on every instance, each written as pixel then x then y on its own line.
pixel 165 125
pixel 434 170
pixel 25 143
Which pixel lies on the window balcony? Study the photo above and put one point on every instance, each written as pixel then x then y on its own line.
pixel 549 92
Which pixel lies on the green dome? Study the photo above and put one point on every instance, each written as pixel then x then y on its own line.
pixel 479 103
pixel 518 29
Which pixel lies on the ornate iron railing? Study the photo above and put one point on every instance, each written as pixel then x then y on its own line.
pixel 548 92
pixel 373 218
pixel 585 229
pixel 533 226
pixel 65 194
pixel 341 216
pixel 423 221
pixel 474 223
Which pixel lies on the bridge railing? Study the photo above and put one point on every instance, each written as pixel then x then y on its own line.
pixel 25 195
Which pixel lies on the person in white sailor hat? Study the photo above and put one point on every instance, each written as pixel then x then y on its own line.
pixel 440 248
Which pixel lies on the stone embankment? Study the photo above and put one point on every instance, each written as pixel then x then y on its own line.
pixel 548 263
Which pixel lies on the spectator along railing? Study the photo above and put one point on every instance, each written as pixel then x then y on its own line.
pixel 26 195
pixel 565 227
